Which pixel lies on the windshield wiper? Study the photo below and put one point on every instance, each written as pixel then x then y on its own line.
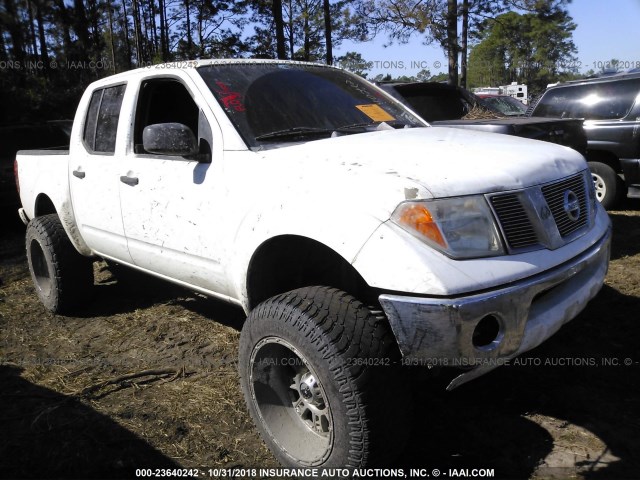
pixel 346 128
pixel 294 132
pixel 317 131
pixel 393 124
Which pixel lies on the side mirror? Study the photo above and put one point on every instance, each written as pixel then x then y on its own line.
pixel 169 139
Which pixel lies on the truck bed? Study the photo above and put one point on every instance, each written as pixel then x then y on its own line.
pixel 567 132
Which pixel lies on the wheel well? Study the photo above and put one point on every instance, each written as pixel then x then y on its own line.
pixel 44 206
pixel 607 158
pixel 288 262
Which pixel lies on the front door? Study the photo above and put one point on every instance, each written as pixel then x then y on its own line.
pixel 171 204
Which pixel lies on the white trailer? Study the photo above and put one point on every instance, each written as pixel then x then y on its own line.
pixel 515 90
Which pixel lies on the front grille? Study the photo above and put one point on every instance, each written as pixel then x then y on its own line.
pixel 515 223
pixel 556 196
pixel 547 216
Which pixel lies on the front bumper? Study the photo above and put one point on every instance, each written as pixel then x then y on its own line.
pixel 440 331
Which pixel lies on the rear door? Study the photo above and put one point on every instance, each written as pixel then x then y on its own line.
pixel 94 174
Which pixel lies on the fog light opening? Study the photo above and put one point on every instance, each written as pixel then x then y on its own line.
pixel 488 333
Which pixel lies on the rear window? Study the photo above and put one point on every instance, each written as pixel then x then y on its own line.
pixel 435 105
pixel 597 101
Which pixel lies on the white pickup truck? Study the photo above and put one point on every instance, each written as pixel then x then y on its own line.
pixel 357 238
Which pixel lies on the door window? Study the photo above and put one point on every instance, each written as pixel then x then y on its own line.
pixel 168 101
pixel 101 123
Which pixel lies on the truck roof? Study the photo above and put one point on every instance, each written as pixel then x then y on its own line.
pixel 603 79
pixel 186 64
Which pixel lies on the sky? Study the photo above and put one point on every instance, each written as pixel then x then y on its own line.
pixel 606 29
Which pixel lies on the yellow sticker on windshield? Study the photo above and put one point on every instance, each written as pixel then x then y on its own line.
pixel 375 112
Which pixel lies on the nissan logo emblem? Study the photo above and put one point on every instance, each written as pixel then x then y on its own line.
pixel 571 205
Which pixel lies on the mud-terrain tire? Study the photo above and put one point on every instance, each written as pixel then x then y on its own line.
pixel 607 184
pixel 63 278
pixel 322 351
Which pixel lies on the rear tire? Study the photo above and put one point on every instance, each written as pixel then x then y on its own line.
pixel 606 183
pixel 320 376
pixel 62 277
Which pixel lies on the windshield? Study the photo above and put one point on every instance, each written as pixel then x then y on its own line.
pixel 279 102
pixel 506 105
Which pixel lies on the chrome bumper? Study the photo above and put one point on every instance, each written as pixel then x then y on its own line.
pixel 443 331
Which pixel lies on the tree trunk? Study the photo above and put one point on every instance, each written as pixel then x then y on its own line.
pixel 464 43
pixel 154 27
pixel 306 40
pixel 201 40
pixel 137 31
pixel 44 53
pixel 111 44
pixel 281 51
pixel 164 44
pixel 291 31
pixel 66 25
pixel 81 28
pixel 4 55
pixel 127 42
pixel 452 40
pixel 16 52
pixel 144 29
pixel 96 38
pixel 32 30
pixel 15 32
pixel 327 31
pixel 189 37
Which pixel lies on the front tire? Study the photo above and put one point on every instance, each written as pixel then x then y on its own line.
pixel 319 372
pixel 62 277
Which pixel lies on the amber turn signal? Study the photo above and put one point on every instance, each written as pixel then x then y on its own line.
pixel 418 218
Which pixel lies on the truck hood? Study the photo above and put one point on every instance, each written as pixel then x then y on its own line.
pixel 432 162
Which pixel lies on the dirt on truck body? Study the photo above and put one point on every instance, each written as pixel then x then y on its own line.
pixel 146 377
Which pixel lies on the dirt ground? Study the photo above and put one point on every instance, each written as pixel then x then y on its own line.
pixel 569 409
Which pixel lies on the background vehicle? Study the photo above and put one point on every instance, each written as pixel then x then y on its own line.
pixel 513 90
pixel 355 237
pixel 451 106
pixel 610 106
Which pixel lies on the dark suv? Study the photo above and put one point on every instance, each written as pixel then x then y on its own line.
pixel 610 107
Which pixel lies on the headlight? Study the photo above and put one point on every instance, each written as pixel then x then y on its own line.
pixel 459 227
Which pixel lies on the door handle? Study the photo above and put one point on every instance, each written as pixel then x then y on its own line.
pixel 133 181
pixel 79 174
